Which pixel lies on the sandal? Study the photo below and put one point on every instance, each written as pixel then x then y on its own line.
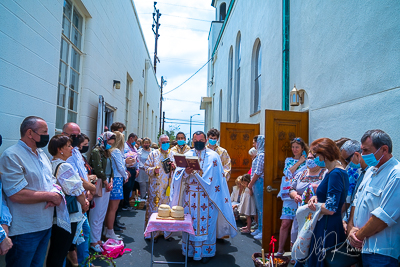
pixel 97 248
pixel 245 231
pixel 280 254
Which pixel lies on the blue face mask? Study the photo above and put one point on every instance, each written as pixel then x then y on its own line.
pixel 181 142
pixel 354 166
pixel 108 146
pixel 310 163
pixel 133 143
pixel 319 163
pixel 165 146
pixel 370 159
pixel 212 141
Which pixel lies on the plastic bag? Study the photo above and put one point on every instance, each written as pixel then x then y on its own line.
pixel 114 248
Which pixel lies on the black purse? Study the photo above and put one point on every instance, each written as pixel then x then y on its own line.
pixel 72 203
pixel 342 254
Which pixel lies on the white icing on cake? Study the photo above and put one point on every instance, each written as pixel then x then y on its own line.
pixel 164 210
pixel 177 212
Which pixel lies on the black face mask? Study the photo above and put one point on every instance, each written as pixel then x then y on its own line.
pixel 84 149
pixel 146 147
pixel 199 145
pixel 1 140
pixel 44 140
pixel 75 140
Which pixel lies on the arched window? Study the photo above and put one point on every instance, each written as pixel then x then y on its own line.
pixel 256 94
pixel 222 12
pixel 237 78
pixel 230 82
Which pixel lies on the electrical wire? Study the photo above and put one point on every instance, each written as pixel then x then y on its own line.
pixel 188 78
pixel 187 6
pixel 181 100
pixel 186 18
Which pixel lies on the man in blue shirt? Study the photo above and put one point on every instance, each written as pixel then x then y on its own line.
pixel 27 180
pixel 373 224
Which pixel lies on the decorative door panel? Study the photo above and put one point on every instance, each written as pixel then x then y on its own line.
pixel 280 128
pixel 237 139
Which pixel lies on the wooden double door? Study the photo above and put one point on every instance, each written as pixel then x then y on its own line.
pixel 280 128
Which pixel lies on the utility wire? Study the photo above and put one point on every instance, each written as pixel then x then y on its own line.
pixel 188 78
pixel 184 120
pixel 188 7
pixel 181 100
pixel 187 18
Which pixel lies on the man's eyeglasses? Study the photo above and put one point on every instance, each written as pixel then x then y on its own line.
pixel 349 158
pixel 167 142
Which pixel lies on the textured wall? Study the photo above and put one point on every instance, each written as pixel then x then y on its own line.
pixel 113 48
pixel 345 54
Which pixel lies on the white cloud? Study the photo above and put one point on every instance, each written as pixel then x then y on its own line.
pixel 182 50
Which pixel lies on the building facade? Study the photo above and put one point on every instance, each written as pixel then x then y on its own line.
pixel 344 54
pixel 59 59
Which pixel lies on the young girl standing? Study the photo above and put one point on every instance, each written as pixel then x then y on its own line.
pixel 247 205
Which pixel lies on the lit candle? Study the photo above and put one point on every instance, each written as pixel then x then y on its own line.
pixel 263 256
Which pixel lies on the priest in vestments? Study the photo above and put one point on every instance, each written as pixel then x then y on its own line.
pixel 205 196
pixel 181 147
pixel 158 178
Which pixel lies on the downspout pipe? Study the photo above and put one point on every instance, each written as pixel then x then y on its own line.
pixel 285 53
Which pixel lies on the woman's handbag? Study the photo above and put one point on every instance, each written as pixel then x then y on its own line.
pixel 99 188
pixel 72 203
pixel 342 254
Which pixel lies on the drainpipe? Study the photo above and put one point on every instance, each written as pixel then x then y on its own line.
pixel 285 53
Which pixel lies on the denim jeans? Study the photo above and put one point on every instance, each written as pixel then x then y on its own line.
pixel 378 260
pixel 83 248
pixel 28 249
pixel 258 196
pixel 128 187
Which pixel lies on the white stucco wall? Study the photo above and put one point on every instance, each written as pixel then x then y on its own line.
pixel 345 54
pixel 113 47
pixel 263 24
pixel 30 36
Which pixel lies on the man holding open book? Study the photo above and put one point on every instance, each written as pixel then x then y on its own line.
pixel 200 187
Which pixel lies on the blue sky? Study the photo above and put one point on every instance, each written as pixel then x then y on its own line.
pixel 182 50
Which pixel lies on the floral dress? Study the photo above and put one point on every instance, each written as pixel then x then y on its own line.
pixel 289 207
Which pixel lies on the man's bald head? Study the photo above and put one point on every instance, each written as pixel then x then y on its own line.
pixel 71 128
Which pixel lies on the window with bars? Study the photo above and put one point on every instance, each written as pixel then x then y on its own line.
pixel 257 79
pixel 70 65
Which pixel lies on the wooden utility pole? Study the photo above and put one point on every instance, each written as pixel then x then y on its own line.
pixel 163 121
pixel 156 18
pixel 163 82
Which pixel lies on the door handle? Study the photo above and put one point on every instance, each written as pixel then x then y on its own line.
pixel 270 189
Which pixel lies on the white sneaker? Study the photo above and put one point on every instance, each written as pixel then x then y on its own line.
pixel 256 232
pixel 111 235
pixel 258 237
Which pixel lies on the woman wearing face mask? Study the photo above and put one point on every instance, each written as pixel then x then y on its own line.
pixel 293 165
pixel 304 186
pixel 102 168
pixel 332 193
pixel 61 238
pixel 143 178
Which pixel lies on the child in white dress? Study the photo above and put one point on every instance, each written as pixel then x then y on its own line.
pixel 237 192
pixel 247 205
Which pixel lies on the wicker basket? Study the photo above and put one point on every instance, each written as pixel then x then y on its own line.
pixel 259 264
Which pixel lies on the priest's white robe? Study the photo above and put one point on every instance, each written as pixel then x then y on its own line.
pixel 205 196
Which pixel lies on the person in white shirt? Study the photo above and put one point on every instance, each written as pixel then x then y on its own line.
pixel 374 220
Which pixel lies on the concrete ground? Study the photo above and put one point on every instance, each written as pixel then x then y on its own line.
pixel 231 252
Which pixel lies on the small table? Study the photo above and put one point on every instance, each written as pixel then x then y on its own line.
pixel 154 225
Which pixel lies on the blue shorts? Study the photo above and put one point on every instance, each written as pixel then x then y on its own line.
pixel 117 192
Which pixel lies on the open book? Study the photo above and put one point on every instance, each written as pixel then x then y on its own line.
pixel 187 161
